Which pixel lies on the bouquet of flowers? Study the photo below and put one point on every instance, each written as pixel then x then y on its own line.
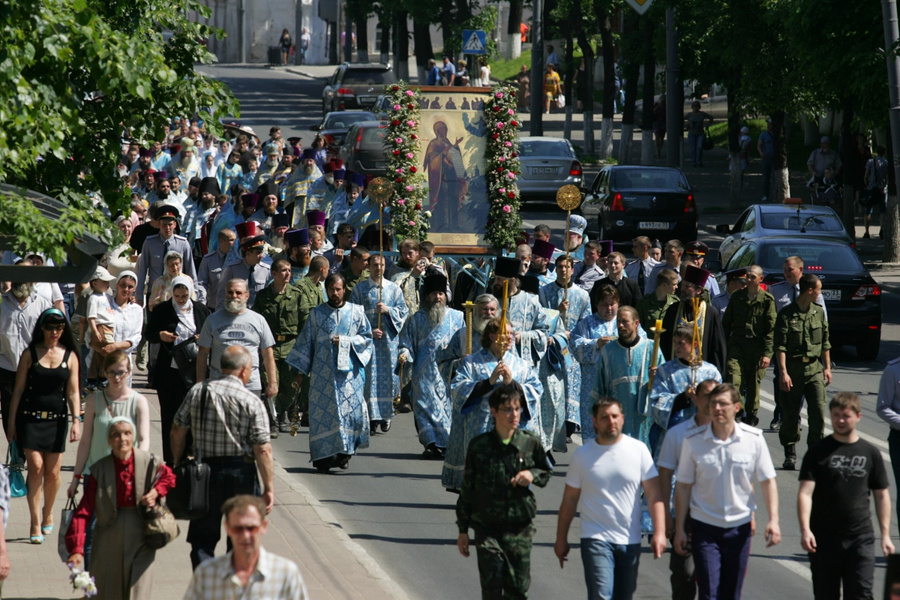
pixel 502 157
pixel 82 580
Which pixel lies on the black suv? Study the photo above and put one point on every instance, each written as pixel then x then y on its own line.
pixel 355 86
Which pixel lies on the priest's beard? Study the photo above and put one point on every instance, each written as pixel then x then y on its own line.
pixel 479 323
pixel 436 313
pixel 20 291
pixel 277 241
pixel 308 169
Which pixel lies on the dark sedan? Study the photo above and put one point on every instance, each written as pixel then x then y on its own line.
pixel 852 296
pixel 628 201
pixel 792 220
pixel 363 149
pixel 335 125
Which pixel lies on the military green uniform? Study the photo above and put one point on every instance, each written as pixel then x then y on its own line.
pixel 803 337
pixel 350 280
pixel 281 313
pixel 311 296
pixel 750 330
pixel 500 513
pixel 650 309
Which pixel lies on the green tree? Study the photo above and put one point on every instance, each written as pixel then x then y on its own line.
pixel 74 76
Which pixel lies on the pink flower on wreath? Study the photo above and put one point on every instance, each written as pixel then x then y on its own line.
pixel 500 125
pixel 507 144
pixel 398 140
pixel 399 170
pixel 401 202
pixel 502 190
pixel 506 208
pixel 511 175
pixel 409 188
pixel 412 223
pixel 409 155
pixel 411 123
pixel 510 111
pixel 396 107
pixel 498 95
pixel 409 93
pixel 501 158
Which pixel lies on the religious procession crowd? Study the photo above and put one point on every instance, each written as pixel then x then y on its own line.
pixel 291 262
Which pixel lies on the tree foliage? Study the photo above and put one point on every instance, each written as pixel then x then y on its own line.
pixel 74 76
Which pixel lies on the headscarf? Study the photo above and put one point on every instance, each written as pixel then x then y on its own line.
pixel 186 326
pixel 121 276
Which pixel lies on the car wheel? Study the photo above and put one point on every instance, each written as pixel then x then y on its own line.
pixel 868 346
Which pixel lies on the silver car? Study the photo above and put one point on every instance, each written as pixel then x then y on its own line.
pixel 547 164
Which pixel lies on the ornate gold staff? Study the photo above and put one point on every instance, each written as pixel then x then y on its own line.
pixel 468 306
pixel 696 343
pixel 503 344
pixel 568 198
pixel 657 337
pixel 380 190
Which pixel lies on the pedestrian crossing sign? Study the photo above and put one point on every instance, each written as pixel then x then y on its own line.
pixel 640 6
pixel 474 41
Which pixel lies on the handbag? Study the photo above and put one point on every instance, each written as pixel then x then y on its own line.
pixel 65 520
pixel 707 140
pixel 160 527
pixel 189 499
pixel 185 357
pixel 16 465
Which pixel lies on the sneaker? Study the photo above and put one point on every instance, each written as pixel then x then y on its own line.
pixel 775 425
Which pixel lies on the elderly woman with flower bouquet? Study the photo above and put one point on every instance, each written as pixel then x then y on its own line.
pixel 118 488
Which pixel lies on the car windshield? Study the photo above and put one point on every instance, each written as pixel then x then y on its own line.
pixel 801 222
pixel 360 76
pixel 343 120
pixel 373 135
pixel 649 179
pixel 817 258
pixel 544 148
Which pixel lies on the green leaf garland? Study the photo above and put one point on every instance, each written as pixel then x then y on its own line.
pixel 501 156
pixel 408 219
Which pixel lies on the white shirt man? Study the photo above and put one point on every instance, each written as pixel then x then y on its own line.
pixel 605 482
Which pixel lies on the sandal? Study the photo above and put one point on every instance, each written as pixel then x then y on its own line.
pixel 37 539
pixel 47 529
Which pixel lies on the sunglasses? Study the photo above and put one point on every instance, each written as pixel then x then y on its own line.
pixel 53 327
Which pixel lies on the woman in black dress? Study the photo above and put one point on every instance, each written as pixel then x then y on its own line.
pixel 46 394
pixel 172 322
pixel 285 42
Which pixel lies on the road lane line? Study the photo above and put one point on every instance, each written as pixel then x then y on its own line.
pixel 796 567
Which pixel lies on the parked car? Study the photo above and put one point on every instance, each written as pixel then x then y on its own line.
pixel 363 149
pixel 382 107
pixel 335 125
pixel 792 220
pixel 852 296
pixel 548 163
pixel 627 201
pixel 355 86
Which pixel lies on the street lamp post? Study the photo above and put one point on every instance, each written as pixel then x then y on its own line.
pixel 892 218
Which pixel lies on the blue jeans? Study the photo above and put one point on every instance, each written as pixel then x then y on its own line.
pixel 610 570
pixel 695 143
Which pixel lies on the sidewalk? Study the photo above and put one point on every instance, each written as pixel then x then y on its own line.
pixel 300 528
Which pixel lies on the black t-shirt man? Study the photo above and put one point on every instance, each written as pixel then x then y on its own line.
pixel 844 475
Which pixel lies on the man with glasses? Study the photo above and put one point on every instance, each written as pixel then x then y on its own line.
pixel 496 499
pixel 251 268
pixel 716 470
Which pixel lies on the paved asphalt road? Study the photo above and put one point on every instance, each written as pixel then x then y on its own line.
pixel 392 503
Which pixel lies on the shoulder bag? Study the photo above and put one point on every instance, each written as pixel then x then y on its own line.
pixel 160 527
pixel 189 499
pixel 185 356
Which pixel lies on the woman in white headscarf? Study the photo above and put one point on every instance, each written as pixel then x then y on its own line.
pixel 174 325
pixel 128 319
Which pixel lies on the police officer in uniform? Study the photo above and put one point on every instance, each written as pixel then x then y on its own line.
pixel 211 266
pixel 749 324
pixel 279 305
pixel 801 340
pixel 251 268
pixel 150 264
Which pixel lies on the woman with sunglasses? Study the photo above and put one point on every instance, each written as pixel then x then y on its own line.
pixel 100 408
pixel 46 393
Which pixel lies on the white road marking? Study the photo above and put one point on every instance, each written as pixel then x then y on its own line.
pixel 795 566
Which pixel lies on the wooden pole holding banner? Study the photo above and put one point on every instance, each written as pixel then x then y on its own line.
pixel 469 307
pixel 502 333
pixel 380 190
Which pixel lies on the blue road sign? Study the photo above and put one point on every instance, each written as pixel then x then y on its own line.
pixel 474 41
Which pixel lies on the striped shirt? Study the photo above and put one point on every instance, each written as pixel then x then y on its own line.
pixel 235 419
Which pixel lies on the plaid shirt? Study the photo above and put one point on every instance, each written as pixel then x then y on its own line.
pixel 275 578
pixel 235 419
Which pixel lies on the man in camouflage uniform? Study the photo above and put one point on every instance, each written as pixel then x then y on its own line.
pixel 495 499
pixel 801 342
pixel 312 294
pixel 278 304
pixel 749 324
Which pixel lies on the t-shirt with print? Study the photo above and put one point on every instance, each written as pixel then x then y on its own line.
pixel 610 479
pixel 99 308
pixel 844 474
pixel 248 329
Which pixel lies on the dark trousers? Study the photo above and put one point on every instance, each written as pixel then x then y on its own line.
pixel 171 392
pixel 229 476
pixel 7 383
pixel 684 583
pixel 837 561
pixel 894 446
pixel 504 562
pixel 720 559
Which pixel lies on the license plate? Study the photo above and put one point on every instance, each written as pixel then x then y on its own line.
pixel 543 170
pixel 366 99
pixel 653 225
pixel 380 164
pixel 832 295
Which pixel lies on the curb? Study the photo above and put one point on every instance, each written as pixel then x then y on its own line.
pixel 372 567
